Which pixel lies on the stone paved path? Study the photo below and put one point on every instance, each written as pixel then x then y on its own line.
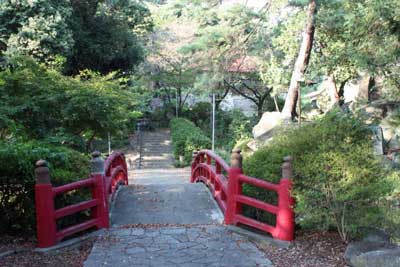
pixel 162 220
pixel 196 246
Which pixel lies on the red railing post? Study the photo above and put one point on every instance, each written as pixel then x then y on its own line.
pixel 201 157
pixel 194 164
pixel 99 192
pixel 44 202
pixel 285 221
pixel 234 187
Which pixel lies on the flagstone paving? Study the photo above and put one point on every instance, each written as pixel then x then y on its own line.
pixel 184 246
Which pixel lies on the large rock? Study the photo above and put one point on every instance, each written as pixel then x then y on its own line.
pixel 373 251
pixel 377 139
pixel 384 115
pixel 391 133
pixel 357 90
pixel 378 258
pixel 268 122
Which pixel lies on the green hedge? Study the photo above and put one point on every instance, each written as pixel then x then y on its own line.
pixel 186 138
pixel 17 159
pixel 338 182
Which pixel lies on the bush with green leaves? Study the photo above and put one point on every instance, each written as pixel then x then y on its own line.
pixel 43 104
pixel 17 164
pixel 338 181
pixel 230 127
pixel 186 138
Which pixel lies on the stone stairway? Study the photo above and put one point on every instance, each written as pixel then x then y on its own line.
pixel 161 219
pixel 156 150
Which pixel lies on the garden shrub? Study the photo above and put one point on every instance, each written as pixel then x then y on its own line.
pixel 186 138
pixel 230 126
pixel 17 159
pixel 72 111
pixel 338 181
pixel 200 115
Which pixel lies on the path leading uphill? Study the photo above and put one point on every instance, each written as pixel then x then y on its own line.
pixel 161 219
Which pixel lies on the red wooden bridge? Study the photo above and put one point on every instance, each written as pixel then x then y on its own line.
pixel 224 181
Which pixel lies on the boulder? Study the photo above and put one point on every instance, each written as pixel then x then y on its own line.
pixel 377 236
pixel 268 122
pixel 252 145
pixel 378 258
pixel 377 139
pixel 375 250
pixel 357 90
pixel 391 133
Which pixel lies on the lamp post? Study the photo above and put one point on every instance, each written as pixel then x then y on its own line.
pixel 176 104
pixel 109 143
pixel 213 122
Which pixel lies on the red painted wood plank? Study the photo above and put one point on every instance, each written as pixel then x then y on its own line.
pixel 73 186
pixel 71 209
pixel 253 223
pixel 217 158
pixel 257 204
pixel 76 228
pixel 223 182
pixel 221 203
pixel 258 182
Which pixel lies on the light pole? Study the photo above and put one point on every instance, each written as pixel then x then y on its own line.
pixel 109 143
pixel 213 122
pixel 176 105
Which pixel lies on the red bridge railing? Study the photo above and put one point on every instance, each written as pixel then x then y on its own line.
pixel 225 183
pixel 103 181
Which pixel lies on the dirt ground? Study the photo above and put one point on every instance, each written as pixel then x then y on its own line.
pixel 309 250
pixel 25 257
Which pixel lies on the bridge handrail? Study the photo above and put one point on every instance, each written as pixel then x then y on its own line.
pixel 72 186
pixel 115 172
pixel 228 192
pixel 102 187
pixel 199 155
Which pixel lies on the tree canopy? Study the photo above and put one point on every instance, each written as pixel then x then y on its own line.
pixel 104 36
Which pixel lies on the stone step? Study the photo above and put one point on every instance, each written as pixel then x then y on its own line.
pixel 163 173
pixel 156 145
pixel 154 167
pixel 158 159
pixel 158 151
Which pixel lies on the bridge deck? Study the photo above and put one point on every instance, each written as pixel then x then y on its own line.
pixel 165 204
pixel 162 220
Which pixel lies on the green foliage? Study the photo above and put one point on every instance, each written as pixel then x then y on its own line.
pixel 338 181
pixel 36 28
pixel 17 159
pixel 42 104
pixel 98 35
pixel 186 138
pixel 199 114
pixel 231 126
pixel 374 24
pixel 104 40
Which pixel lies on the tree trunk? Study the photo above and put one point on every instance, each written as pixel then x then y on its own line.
pixel 90 141
pixel 365 86
pixel 341 90
pixel 220 99
pixel 276 104
pixel 289 109
pixel 179 100
pixel 332 91
pixel 260 109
